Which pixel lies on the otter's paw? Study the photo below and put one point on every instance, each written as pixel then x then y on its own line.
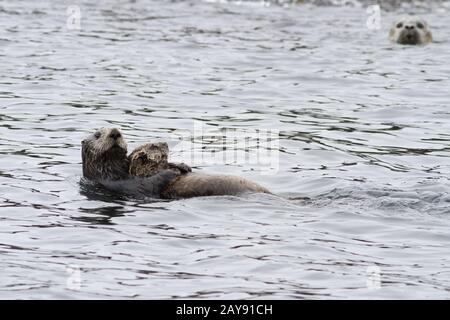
pixel 156 184
pixel 181 167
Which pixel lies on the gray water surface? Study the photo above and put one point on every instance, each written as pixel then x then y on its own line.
pixel 363 179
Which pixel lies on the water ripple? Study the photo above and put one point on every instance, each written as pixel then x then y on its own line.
pixel 364 143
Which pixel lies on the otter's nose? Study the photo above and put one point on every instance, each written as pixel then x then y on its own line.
pixel 115 134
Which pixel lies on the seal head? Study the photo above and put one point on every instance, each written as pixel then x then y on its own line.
pixel 104 156
pixel 410 31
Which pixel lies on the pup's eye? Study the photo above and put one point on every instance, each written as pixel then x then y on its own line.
pixel 399 25
pixel 97 134
pixel 420 25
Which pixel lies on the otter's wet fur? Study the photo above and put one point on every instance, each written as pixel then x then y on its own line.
pixel 151 158
pixel 146 160
pixel 201 185
pixel 105 163
pixel 104 156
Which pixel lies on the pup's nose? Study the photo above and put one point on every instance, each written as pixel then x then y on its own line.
pixel 115 134
pixel 409 27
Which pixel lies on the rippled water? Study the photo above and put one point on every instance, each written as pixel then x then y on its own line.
pixel 364 162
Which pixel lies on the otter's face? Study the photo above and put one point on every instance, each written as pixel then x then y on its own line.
pixel 410 31
pixel 148 159
pixel 104 155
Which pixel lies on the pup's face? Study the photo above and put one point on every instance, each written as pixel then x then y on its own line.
pixel 410 30
pixel 147 159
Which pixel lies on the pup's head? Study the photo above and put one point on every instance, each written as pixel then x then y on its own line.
pixel 148 159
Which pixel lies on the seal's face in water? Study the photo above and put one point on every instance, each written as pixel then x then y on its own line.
pixel 411 31
pixel 148 159
pixel 104 155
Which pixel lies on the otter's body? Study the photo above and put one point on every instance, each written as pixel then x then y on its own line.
pixel 410 31
pixel 200 185
pixel 139 186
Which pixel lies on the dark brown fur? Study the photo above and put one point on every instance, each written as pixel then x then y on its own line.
pixel 104 156
pixel 105 163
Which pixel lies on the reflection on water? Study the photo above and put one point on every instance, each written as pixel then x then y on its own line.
pixel 364 146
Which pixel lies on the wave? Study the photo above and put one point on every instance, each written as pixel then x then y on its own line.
pixel 384 4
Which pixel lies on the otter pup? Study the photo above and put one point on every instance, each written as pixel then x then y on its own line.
pixel 105 162
pixel 146 160
pixel 410 30
pixel 149 159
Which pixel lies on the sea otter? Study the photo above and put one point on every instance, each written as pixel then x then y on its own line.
pixel 147 172
pixel 105 163
pixel 410 30
pixel 150 158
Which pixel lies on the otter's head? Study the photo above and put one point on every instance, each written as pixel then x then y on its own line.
pixel 148 159
pixel 104 155
pixel 410 30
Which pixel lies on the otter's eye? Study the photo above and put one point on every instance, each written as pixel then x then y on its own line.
pixel 420 25
pixel 97 134
pixel 399 25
